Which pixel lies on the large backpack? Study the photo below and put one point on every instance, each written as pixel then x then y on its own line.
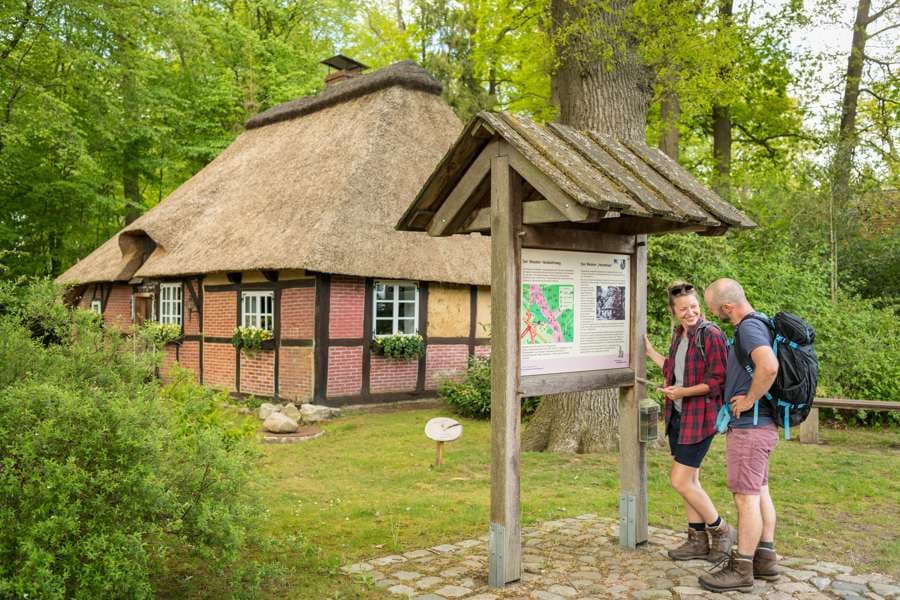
pixel 791 396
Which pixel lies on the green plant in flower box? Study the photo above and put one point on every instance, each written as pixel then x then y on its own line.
pixel 160 334
pixel 400 347
pixel 249 340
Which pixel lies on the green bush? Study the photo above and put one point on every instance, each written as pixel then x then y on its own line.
pixel 108 483
pixel 471 395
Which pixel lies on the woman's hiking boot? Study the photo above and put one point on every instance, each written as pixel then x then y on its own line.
pixel 735 576
pixel 696 546
pixel 765 564
pixel 721 539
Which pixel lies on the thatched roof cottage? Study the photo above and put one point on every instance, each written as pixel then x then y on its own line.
pixel 291 229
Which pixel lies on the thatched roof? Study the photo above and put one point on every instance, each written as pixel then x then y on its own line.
pixel 632 187
pixel 314 184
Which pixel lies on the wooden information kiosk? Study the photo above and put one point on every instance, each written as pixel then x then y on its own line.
pixel 569 315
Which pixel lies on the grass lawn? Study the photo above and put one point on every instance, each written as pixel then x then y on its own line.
pixel 367 488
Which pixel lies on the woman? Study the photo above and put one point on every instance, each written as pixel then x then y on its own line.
pixel 695 378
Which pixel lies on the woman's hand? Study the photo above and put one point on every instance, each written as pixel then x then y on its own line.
pixel 652 354
pixel 673 392
pixel 649 346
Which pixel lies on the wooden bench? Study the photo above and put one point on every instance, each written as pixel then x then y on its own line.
pixel 809 429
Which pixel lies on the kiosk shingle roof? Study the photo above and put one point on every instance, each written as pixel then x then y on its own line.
pixel 592 169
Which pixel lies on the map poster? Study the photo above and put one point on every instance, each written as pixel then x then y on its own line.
pixel 575 312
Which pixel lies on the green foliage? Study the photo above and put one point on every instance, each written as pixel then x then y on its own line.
pixel 39 308
pixel 249 340
pixel 471 395
pixel 856 341
pixel 399 347
pixel 105 477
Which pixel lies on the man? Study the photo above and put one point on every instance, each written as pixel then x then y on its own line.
pixel 748 444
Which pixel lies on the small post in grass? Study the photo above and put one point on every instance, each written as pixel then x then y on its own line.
pixel 442 429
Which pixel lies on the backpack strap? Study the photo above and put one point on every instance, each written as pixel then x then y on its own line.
pixel 699 338
pixel 748 364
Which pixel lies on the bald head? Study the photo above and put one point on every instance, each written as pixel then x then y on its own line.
pixel 725 299
pixel 725 291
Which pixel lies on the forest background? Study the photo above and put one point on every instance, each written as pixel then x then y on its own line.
pixel 108 106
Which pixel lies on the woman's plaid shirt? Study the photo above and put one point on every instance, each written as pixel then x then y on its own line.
pixel 698 413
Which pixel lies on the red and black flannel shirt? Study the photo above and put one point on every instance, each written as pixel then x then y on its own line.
pixel 698 413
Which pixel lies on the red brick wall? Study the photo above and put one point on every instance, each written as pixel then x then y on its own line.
pixel 168 360
pixel 482 350
pixel 388 375
pixel 219 365
pixel 347 306
pixel 344 370
pixel 219 314
pixel 189 357
pixel 190 312
pixel 118 308
pixel 295 377
pixel 258 373
pixel 298 313
pixel 442 360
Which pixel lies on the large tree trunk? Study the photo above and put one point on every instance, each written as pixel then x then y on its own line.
pixel 607 94
pixel 579 422
pixel 842 163
pixel 611 96
pixel 669 115
pixel 721 117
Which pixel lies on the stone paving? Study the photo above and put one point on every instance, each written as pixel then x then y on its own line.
pixel 579 558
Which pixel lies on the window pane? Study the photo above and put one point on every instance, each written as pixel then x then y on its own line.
pixel 407 309
pixel 384 292
pixel 407 292
pixel 406 326
pixel 384 327
pixel 384 309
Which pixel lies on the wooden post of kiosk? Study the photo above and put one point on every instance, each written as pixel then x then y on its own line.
pixel 507 235
pixel 505 545
pixel 633 526
pixel 551 188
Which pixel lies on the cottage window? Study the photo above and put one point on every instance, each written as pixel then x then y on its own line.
pixel 258 310
pixel 396 307
pixel 170 303
pixel 97 306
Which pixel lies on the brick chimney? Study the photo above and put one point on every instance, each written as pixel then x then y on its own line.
pixel 345 68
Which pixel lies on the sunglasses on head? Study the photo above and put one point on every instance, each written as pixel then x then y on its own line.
pixel 680 289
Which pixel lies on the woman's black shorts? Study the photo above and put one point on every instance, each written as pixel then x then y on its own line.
pixel 690 455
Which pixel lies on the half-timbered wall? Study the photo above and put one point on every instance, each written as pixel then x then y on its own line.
pixel 323 336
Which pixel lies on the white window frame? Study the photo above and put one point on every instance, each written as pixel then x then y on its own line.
pixel 171 303
pixel 97 306
pixel 258 318
pixel 396 302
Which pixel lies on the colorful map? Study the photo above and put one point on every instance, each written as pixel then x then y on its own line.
pixel 548 313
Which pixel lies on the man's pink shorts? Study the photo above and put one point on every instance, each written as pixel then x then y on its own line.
pixel 747 454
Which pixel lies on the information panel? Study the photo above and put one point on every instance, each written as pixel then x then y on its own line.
pixel 575 311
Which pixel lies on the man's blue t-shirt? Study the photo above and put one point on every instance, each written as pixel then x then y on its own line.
pixel 753 334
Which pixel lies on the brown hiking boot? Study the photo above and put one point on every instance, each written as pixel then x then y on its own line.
pixel 696 546
pixel 765 564
pixel 721 539
pixel 735 576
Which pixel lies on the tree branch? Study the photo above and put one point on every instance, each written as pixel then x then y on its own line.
pixel 878 97
pixel 875 16
pixel 882 30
